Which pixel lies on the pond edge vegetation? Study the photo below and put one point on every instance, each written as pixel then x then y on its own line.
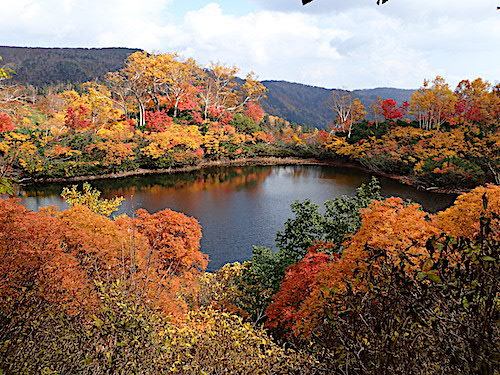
pixel 246 162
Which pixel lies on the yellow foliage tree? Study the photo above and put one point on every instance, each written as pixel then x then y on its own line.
pixel 175 136
pixel 90 198
pixel 433 103
pixel 96 98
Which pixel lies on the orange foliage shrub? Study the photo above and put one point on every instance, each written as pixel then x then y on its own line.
pixel 391 225
pixel 96 240
pixel 254 111
pixel 34 258
pixel 462 219
pixel 58 256
pixel 401 229
pixel 174 239
pixel 172 262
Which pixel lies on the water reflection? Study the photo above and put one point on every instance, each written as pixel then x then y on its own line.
pixel 237 207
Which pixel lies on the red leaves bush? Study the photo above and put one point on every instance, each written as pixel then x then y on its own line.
pixel 76 118
pixel 157 121
pixel 6 124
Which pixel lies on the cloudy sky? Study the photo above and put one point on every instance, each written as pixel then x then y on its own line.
pixel 330 43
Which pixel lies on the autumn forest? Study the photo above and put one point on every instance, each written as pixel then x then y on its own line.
pixel 363 284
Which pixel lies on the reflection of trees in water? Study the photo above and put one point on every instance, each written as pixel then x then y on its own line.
pixel 342 176
pixel 43 190
pixel 227 178
pixel 224 180
pixel 300 172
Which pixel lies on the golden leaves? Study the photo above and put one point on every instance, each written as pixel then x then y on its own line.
pixel 462 219
pixel 175 136
pixel 90 198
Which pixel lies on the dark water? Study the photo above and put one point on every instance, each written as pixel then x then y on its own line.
pixel 237 207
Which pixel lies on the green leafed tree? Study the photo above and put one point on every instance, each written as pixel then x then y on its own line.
pixel 310 226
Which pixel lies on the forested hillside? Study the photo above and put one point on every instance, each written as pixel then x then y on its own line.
pixel 310 105
pixel 295 102
pixel 46 66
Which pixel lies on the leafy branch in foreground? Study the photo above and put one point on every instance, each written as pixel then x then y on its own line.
pixel 412 293
pixel 6 186
pixel 90 198
pixel 440 318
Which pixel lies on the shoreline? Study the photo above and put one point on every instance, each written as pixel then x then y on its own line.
pixel 244 162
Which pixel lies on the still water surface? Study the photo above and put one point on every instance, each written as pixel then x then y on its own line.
pixel 237 207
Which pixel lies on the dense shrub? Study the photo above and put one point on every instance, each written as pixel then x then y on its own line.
pixel 125 337
pixel 267 149
pixel 367 129
pixel 392 164
pixel 411 293
pixel 451 172
pixel 441 318
pixel 244 124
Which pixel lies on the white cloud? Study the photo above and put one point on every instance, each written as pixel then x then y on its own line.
pixel 74 23
pixel 263 40
pixel 316 7
pixel 342 43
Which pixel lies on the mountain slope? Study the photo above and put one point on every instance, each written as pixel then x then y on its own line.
pixel 309 105
pixel 45 66
pixel 295 102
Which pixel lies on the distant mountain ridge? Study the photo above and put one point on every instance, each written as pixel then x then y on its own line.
pixel 295 102
pixel 48 66
pixel 309 105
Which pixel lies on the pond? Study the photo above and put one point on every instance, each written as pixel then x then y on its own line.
pixel 237 207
